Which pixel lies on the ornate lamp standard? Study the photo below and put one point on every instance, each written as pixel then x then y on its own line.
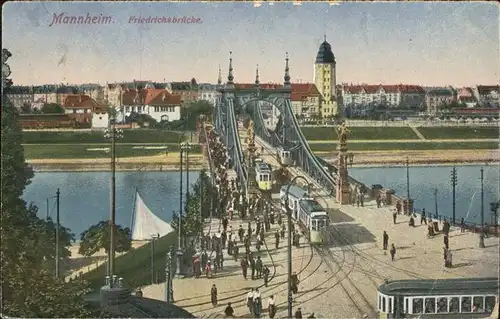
pixel 481 234
pixel 289 221
pixel 153 238
pixel 113 134
pixel 178 272
pixel 454 180
pixel 187 148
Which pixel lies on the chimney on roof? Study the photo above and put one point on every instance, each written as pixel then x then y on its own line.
pixel 164 96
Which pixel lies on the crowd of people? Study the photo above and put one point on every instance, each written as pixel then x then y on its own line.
pixel 259 214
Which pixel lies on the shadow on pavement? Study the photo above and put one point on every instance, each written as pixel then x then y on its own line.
pixel 336 216
pixel 349 234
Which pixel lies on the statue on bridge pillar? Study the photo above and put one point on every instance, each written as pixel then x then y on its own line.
pixel 343 189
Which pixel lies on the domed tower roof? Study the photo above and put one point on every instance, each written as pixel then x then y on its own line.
pixel 325 54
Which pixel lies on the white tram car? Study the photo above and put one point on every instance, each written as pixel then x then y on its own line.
pixel 263 175
pixel 440 298
pixel 309 214
pixel 285 157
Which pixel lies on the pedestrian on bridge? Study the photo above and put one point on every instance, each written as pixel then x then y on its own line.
pixel 271 308
pixel 250 301
pixel 298 314
pixel 277 238
pixel 393 252
pixel 394 216
pixel 213 294
pixel 398 207
pixel 385 240
pixel 244 267
pixel 422 217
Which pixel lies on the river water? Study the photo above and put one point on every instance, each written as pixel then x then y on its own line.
pixel 84 198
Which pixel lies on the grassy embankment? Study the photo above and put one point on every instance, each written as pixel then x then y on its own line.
pixel 145 142
pixel 64 145
pixel 135 265
pixel 459 134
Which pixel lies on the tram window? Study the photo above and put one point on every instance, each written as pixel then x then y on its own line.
pixel 406 305
pixel 442 304
pixel 478 304
pixel 454 305
pixel 489 303
pixel 430 305
pixel 314 225
pixel 379 302
pixel 466 304
pixel 418 305
pixel 383 304
pixel 389 307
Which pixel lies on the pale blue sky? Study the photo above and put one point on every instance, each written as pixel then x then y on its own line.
pixel 390 43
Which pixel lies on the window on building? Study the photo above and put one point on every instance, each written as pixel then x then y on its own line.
pixel 383 304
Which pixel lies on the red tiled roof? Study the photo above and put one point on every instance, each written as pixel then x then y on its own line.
pixel 150 97
pixel 300 91
pixel 79 101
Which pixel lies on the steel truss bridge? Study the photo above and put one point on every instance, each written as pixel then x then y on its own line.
pixel 235 100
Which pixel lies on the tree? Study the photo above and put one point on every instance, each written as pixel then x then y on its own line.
pixel 51 108
pixel 97 237
pixel 192 221
pixel 192 112
pixel 28 285
pixel 26 108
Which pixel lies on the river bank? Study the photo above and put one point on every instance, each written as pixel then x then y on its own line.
pixel 197 162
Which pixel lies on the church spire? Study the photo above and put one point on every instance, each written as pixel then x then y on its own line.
pixel 219 79
pixel 230 76
pixel 287 73
pixel 324 37
pixel 257 82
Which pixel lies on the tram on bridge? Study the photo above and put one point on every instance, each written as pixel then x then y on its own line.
pixel 309 214
pixel 263 175
pixel 440 298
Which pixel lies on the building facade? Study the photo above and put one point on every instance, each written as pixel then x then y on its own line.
pixel 80 107
pixel 306 101
pixel 20 95
pixel 361 98
pixel 325 78
pixel 438 97
pixel 188 91
pixel 208 92
pixel 160 104
pixel 100 118
pixel 488 95
pixel 466 96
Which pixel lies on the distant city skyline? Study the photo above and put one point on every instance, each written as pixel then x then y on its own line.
pixel 428 44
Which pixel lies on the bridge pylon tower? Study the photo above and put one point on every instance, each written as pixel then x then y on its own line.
pixel 343 190
pixel 251 149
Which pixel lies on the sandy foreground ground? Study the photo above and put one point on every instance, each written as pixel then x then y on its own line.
pixel 82 264
pixel 361 158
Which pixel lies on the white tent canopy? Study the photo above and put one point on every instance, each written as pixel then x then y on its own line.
pixel 145 224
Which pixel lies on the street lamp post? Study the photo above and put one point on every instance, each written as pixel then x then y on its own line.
pixel 408 178
pixel 178 274
pixel 168 275
pixel 481 233
pixel 187 148
pixel 153 238
pixel 454 180
pixel 289 222
pixel 57 233
pixel 436 201
pixel 113 134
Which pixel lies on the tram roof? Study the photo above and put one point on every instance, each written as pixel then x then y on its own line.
pixel 262 167
pixel 294 191
pixel 311 206
pixel 456 286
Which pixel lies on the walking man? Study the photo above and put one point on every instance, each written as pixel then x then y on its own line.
pixel 386 240
pixel 213 293
pixel 393 252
